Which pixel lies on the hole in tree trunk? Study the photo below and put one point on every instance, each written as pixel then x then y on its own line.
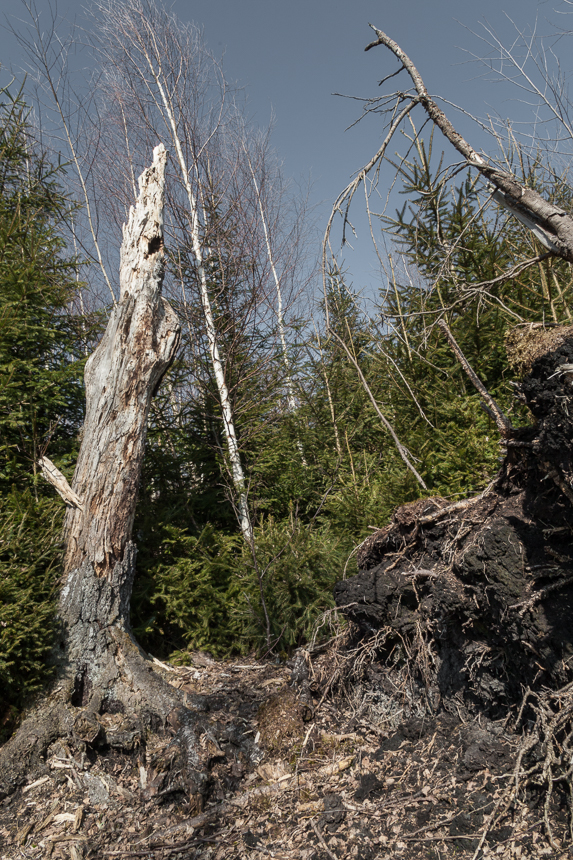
pixel 82 689
pixel 154 246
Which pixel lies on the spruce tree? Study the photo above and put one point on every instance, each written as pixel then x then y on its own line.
pixel 41 388
pixel 41 397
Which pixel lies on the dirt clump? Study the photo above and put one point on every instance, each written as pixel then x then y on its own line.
pixel 474 600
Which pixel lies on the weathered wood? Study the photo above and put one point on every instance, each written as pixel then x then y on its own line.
pixel 552 225
pixel 121 377
pixel 99 664
pixel 53 475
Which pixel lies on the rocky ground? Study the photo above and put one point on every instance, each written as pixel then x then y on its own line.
pixel 316 760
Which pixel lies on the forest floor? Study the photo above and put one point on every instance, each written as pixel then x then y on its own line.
pixel 325 777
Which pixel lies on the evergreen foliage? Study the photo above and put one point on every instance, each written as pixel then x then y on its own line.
pixel 319 478
pixel 30 556
pixel 42 346
pixel 41 342
pixel 204 592
pixel 456 248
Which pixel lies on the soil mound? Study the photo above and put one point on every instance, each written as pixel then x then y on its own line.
pixel 475 599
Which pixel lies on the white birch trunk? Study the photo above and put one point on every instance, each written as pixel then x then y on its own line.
pixel 217 364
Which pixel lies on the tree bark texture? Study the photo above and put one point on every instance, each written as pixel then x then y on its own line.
pixel 100 667
pixel 121 377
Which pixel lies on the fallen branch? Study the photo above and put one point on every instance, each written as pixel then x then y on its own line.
pixel 322 842
pixel 551 224
pixel 457 506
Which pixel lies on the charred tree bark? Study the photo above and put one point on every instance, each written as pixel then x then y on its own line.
pixel 100 666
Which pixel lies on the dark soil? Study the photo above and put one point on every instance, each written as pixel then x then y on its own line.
pixel 482 592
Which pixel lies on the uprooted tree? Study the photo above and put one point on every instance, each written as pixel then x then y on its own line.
pixel 100 666
pixel 470 603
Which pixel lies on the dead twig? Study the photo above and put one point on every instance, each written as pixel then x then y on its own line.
pixel 166 846
pixel 503 423
pixel 322 842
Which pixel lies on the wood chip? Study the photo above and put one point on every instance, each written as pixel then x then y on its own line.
pixel 22 834
pixel 332 738
pixel 337 766
pixel 50 816
pixel 35 784
pixel 63 816
pixel 67 838
pixel 78 818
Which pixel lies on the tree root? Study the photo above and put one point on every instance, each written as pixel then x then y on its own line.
pixel 147 704
pixel 544 759
pixel 22 756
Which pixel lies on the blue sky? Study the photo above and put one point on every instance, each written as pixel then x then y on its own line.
pixel 292 56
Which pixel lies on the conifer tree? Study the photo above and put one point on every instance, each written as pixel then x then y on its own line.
pixel 41 397
pixel 41 392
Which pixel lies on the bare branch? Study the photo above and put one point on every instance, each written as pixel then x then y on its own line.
pixel 509 274
pixel 404 454
pixel 345 197
pixel 553 222
pixel 502 422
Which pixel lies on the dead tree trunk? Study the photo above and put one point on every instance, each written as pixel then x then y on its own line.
pixel 121 377
pixel 100 667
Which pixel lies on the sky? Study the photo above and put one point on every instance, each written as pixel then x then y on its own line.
pixel 291 57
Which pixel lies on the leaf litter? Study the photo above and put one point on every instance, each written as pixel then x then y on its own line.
pixel 301 766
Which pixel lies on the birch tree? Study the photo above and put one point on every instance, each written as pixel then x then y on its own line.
pixel 156 80
pixel 162 74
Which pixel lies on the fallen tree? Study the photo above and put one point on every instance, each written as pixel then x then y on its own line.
pixel 100 668
pixel 476 596
pixel 466 606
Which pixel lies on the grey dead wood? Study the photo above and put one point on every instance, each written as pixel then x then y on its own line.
pixel 551 224
pixel 99 665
